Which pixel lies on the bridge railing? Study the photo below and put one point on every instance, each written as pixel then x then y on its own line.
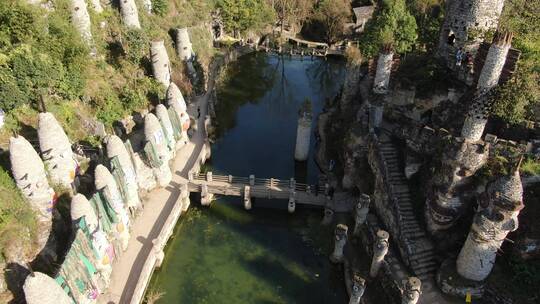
pixel 270 183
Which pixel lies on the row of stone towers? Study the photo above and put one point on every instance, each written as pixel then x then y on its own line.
pixel 98 239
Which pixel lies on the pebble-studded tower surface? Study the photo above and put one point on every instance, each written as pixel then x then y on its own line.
pixel 465 24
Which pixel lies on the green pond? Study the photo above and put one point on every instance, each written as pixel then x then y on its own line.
pixel 225 254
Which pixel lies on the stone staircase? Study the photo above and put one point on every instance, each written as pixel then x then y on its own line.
pixel 420 250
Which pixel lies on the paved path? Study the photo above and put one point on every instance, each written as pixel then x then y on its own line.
pixel 157 205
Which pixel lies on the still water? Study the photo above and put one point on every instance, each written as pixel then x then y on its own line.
pixel 224 254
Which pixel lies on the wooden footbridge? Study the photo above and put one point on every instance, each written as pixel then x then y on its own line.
pixel 251 187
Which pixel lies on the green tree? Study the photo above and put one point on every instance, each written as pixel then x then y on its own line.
pixel 333 14
pixel 393 23
pixel 241 15
pixel 429 17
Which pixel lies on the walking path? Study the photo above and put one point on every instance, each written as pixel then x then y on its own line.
pixel 157 206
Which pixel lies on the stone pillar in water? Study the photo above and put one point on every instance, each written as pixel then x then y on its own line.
pixel 29 174
pixel 81 20
pixel 39 288
pixel 380 249
pixel 384 69
pixel 163 116
pixel 184 48
pixel 476 119
pixel 160 62
pixel 339 245
pixel 497 215
pixel 411 291
pixel 56 150
pixel 159 150
pixel 116 148
pixel 303 138
pixel 361 212
pixel 105 183
pixel 247 197
pixel 358 288
pixel 130 15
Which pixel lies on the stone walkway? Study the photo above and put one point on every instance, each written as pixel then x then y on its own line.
pixel 158 203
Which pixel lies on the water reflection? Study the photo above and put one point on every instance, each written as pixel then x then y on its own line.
pixel 225 254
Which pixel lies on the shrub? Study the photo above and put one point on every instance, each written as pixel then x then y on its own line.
pixel 136 45
pixel 160 7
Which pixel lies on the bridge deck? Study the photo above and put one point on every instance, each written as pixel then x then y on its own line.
pixel 270 189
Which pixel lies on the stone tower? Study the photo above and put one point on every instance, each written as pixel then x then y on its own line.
pixel 184 48
pixel 466 23
pixel 476 119
pixel 130 15
pixel 160 62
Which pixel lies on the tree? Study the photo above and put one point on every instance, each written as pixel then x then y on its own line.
pixel 241 15
pixel 429 17
pixel 393 23
pixel 333 14
pixel 293 12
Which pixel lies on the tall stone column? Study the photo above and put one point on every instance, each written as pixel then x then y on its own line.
pixel 361 212
pixel 81 20
pixel 380 249
pixel 358 288
pixel 163 116
pixel 303 138
pixel 411 291
pixel 477 117
pixel 156 139
pixel 376 109
pixel 384 69
pixel 495 218
pixel 184 48
pixel 29 174
pixel 104 182
pixel 56 150
pixel 117 148
pixel 130 15
pixel 339 244
pixel 174 96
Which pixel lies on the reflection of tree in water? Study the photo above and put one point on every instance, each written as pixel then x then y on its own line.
pixel 325 76
pixel 281 94
pixel 246 80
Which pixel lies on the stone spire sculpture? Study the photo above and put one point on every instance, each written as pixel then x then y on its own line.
pixel 157 149
pixel 358 289
pixel 56 150
pixel 174 96
pixel 476 119
pixel 130 15
pixel 39 288
pixel 147 4
pixel 352 76
pixel 380 249
pixel 116 148
pixel 105 183
pixel 361 212
pixel 412 289
pixel 184 48
pixel 81 207
pixel 160 62
pixel 81 20
pixel 29 174
pixel 166 125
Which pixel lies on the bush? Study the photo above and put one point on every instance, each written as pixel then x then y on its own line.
pixel 135 45
pixel 160 7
